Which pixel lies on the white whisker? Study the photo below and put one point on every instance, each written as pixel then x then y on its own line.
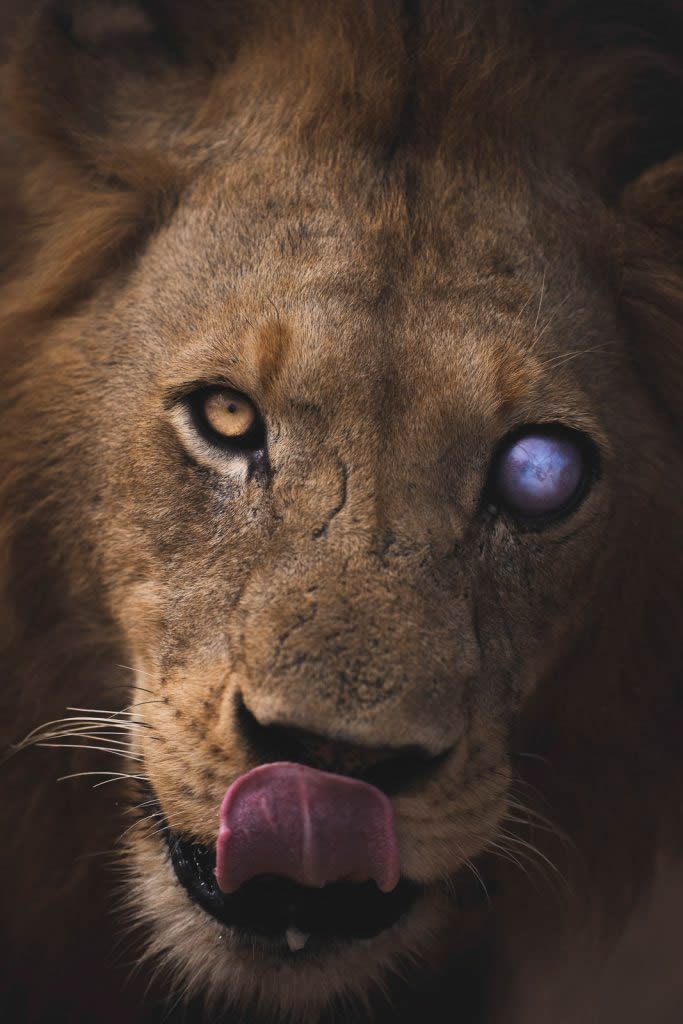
pixel 137 672
pixel 550 321
pixel 139 821
pixel 96 737
pixel 84 746
pixel 141 778
pixel 113 715
pixel 540 302
pixel 115 776
pixel 567 357
pixel 477 874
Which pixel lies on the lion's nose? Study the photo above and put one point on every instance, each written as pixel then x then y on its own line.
pixel 391 769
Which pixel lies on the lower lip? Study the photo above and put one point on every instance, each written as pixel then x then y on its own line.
pixel 314 947
pixel 264 908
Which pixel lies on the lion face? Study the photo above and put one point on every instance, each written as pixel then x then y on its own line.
pixel 351 588
pixel 351 490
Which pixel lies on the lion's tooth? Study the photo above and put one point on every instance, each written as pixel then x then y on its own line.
pixel 295 939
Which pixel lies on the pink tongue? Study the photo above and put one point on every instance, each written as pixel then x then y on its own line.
pixel 310 826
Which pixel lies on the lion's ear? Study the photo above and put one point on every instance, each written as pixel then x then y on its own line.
pixel 626 136
pixel 94 90
pixel 75 69
pixel 651 209
pixel 87 74
pixel 643 126
pixel 655 199
pixel 625 86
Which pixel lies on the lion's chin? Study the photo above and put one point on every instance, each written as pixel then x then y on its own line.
pixel 284 969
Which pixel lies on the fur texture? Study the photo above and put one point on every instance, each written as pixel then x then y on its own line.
pixel 404 230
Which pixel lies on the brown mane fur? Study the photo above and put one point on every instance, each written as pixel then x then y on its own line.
pixel 383 152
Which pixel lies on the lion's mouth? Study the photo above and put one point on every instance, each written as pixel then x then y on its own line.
pixel 276 908
pixel 280 911
pixel 286 916
pixel 302 857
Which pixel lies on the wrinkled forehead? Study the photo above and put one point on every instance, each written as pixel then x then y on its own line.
pixel 321 285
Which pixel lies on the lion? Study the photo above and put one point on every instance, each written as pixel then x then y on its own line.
pixel 341 570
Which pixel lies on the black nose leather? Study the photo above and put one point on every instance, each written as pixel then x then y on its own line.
pixel 391 769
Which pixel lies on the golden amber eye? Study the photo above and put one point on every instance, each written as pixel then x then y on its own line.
pixel 229 413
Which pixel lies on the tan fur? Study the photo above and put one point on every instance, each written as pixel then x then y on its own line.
pixel 402 231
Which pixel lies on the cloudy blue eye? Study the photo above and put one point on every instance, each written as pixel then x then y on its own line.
pixel 540 472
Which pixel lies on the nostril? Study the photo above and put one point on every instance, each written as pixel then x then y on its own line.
pixel 391 769
pixel 402 770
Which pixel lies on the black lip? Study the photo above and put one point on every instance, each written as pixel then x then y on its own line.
pixel 268 905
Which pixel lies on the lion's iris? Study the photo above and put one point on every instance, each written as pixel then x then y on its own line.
pixel 229 413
